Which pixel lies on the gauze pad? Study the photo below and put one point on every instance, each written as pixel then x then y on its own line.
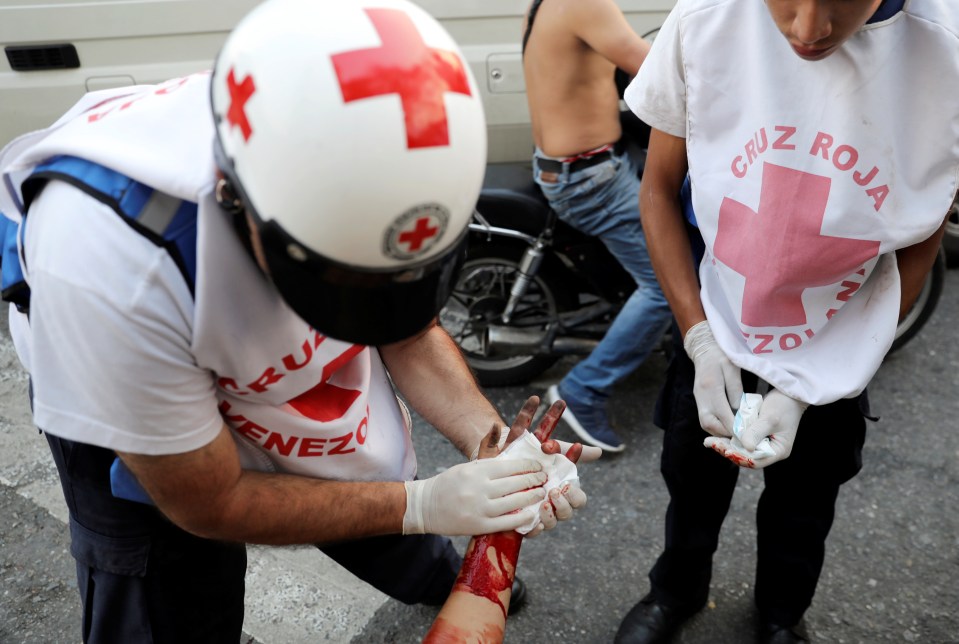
pixel 558 468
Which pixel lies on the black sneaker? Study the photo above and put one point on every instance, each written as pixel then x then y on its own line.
pixel 590 423
pixel 517 598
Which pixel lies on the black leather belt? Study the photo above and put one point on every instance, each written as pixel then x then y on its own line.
pixel 554 165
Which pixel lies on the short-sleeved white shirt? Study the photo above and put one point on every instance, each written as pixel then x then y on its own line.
pixel 806 177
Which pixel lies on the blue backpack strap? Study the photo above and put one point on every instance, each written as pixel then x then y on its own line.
pixel 166 221
pixel 13 288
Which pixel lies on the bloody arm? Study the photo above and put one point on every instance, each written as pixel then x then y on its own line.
pixel 478 604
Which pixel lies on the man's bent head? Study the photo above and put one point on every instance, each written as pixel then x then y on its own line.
pixel 815 29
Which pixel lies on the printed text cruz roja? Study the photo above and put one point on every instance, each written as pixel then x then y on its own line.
pixel 844 157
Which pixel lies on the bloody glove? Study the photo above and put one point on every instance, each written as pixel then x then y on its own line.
pixel 774 431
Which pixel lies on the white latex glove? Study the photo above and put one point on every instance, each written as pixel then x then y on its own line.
pixel 477 497
pixel 778 421
pixel 718 385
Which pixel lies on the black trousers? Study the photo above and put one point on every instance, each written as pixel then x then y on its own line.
pixel 144 580
pixel 795 511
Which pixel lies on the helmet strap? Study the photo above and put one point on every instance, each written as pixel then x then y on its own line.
pixel 227 198
pixel 241 222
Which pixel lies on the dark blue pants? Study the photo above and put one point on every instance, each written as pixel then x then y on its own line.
pixel 795 510
pixel 144 580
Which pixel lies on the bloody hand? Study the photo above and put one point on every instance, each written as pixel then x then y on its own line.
pixel 561 502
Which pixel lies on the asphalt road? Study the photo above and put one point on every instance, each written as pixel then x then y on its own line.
pixel 892 566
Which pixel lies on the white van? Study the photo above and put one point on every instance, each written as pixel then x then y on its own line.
pixel 55 50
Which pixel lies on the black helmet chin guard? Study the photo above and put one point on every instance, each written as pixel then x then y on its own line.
pixel 350 303
pixel 359 305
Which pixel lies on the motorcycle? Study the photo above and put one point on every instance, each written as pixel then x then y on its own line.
pixel 533 289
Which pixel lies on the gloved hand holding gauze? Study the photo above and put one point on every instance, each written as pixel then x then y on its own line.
pixel 478 497
pixel 746 415
pixel 768 424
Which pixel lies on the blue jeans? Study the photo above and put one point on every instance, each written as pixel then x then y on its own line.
pixel 603 201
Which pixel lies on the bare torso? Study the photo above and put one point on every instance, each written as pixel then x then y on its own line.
pixel 570 86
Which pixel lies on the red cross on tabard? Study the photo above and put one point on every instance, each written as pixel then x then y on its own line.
pixel 239 95
pixel 420 233
pixel 404 65
pixel 326 402
pixel 780 249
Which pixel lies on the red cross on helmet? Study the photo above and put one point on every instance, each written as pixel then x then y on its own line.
pixel 352 133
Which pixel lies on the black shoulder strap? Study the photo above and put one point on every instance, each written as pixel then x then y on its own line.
pixel 533 8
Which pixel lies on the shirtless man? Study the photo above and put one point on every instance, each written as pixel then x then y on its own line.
pixel 572 49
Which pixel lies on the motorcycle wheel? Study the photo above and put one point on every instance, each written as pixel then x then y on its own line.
pixel 925 304
pixel 478 299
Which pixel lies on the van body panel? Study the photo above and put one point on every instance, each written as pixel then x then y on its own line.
pixel 123 42
pixel 118 42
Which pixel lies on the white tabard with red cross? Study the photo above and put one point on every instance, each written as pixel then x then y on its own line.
pixel 806 177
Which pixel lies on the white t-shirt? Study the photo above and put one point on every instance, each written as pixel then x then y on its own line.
pixel 806 177
pixel 123 356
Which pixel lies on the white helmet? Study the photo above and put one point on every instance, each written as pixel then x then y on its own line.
pixel 353 133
